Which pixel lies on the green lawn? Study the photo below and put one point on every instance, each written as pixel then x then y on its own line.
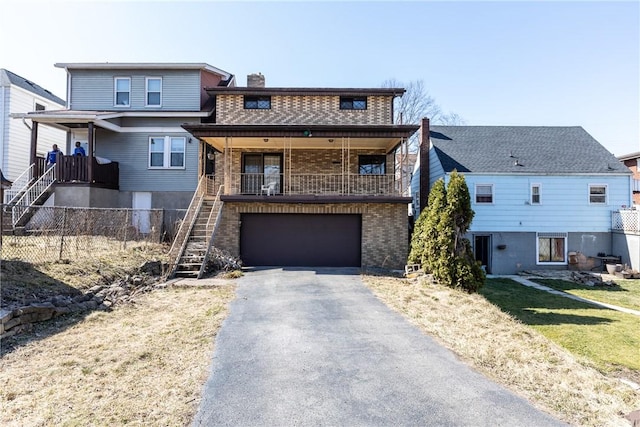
pixel 625 294
pixel 609 338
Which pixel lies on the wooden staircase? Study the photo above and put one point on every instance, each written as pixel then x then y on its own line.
pixel 191 261
pixel 189 253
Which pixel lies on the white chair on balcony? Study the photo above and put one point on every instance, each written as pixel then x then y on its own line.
pixel 269 188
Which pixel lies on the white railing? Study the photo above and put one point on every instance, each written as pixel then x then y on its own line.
pixel 19 186
pixel 32 194
pixel 314 184
pixel 626 220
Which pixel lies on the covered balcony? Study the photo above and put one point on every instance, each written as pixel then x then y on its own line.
pixel 296 162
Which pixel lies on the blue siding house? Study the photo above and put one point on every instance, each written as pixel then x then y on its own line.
pixel 543 197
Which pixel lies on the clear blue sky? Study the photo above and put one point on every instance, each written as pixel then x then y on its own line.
pixel 493 63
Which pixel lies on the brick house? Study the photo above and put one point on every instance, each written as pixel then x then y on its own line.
pixel 306 176
pixel 631 161
pixel 276 176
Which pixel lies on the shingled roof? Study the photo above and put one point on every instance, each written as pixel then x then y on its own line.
pixel 522 149
pixel 13 78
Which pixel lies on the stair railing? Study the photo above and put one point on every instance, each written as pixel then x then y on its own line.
pixel 211 229
pixel 181 238
pixel 32 194
pixel 19 186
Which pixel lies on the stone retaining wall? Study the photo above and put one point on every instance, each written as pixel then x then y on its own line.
pixel 14 320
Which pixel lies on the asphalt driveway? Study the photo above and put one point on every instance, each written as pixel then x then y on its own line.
pixel 316 348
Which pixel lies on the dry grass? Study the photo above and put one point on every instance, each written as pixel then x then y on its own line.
pixel 142 364
pixel 510 353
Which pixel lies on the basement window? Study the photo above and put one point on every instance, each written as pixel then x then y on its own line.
pixel 552 248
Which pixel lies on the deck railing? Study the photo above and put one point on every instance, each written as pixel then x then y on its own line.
pixel 76 169
pixel 312 184
pixel 626 220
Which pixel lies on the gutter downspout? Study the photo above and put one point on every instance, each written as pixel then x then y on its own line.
pixel 68 89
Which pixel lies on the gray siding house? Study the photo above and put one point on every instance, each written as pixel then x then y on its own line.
pixel 129 118
pixel 543 197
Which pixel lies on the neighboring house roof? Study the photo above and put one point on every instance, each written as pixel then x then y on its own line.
pixel 143 66
pixel 629 156
pixel 7 77
pixel 522 149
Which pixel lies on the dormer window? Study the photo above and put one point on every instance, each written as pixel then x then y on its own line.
pixel 154 91
pixel 353 103
pixel 122 87
pixel 257 102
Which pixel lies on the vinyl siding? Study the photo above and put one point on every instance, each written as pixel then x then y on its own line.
pixel 564 204
pixel 94 90
pixel 17 136
pixel 131 151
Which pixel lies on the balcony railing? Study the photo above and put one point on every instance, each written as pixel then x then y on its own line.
pixel 626 220
pixel 310 184
pixel 76 169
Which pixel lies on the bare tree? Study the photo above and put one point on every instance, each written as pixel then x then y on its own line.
pixel 410 108
pixel 416 103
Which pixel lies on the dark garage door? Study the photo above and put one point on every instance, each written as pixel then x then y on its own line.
pixel 302 240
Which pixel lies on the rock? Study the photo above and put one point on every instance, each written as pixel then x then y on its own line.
pixel 12 323
pixel 5 315
pixel 152 268
pixel 137 281
pixel 95 289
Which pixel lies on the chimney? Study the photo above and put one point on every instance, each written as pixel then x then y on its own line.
pixel 255 80
pixel 424 163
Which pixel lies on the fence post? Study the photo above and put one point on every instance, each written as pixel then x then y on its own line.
pixel 126 225
pixel 64 220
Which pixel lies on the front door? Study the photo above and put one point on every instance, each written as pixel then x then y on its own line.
pixel 261 169
pixel 482 251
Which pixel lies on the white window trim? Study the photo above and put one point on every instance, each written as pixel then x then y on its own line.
pixel 115 92
pixel 606 194
pixel 559 235
pixel 475 195
pixel 166 161
pixel 535 184
pixel 146 92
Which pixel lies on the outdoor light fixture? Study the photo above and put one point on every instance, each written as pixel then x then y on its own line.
pixel 307 133
pixel 330 140
pixel 266 140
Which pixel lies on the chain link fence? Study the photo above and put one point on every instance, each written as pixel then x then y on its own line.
pixel 59 233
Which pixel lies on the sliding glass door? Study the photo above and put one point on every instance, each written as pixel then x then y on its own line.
pixel 260 170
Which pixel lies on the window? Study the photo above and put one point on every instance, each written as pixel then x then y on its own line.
pixel 166 152
pixel 372 164
pixel 122 91
pixel 154 91
pixel 257 102
pixel 353 103
pixel 484 193
pixel 535 194
pixel 39 107
pixel 552 248
pixel 598 194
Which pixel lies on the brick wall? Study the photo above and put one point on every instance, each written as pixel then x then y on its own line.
pixel 298 109
pixel 633 165
pixel 384 227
